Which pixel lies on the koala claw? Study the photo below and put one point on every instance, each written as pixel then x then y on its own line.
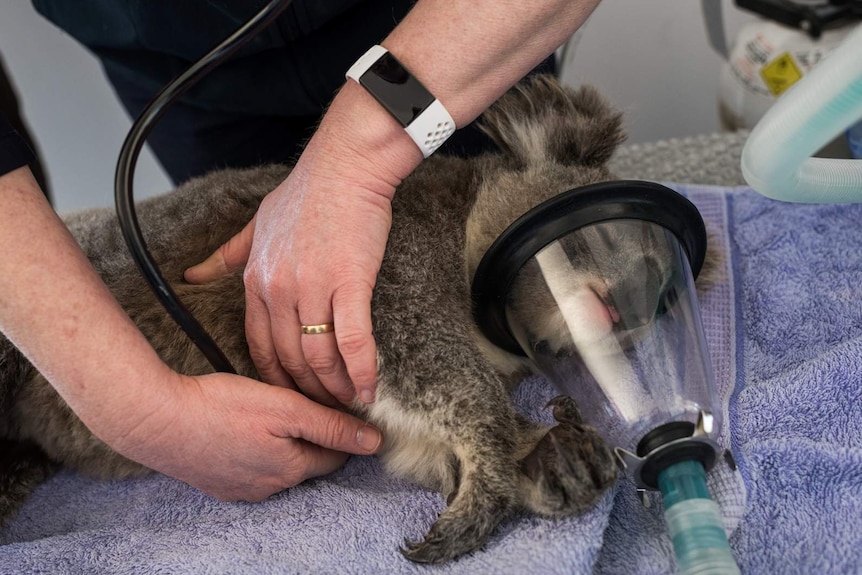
pixel 566 410
pixel 425 552
pixel 454 535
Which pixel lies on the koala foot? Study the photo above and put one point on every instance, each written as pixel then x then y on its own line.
pixel 481 501
pixel 569 468
pixel 453 534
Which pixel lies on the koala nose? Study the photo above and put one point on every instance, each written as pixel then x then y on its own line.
pixel 637 298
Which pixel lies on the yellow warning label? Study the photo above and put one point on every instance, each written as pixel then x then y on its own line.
pixel 780 74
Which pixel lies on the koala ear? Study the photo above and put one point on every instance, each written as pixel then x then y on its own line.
pixel 540 120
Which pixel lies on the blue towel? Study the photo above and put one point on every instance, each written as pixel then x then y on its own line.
pixel 785 336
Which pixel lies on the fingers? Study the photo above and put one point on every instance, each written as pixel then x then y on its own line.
pixel 325 365
pixel 330 428
pixel 319 461
pixel 318 439
pixel 280 353
pixel 352 310
pixel 315 361
pixel 321 366
pixel 229 257
pixel 258 332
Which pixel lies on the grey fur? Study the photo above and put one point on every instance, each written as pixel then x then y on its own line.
pixel 443 393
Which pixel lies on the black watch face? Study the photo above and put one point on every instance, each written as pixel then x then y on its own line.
pixel 396 89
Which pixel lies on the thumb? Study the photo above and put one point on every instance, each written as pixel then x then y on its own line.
pixel 331 428
pixel 230 256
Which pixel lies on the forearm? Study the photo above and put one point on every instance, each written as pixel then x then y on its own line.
pixel 56 309
pixel 466 53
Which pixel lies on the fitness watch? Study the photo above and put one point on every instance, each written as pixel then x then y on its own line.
pixel 421 114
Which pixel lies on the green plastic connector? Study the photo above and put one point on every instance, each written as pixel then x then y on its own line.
pixel 694 521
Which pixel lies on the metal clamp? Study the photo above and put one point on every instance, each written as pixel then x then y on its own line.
pixel 644 469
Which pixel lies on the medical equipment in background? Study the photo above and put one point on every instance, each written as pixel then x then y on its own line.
pixel 776 159
pixel 796 79
pixel 635 361
pixel 766 59
pixel 770 55
pixel 596 288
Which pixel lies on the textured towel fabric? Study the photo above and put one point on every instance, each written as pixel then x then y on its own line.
pixel 349 522
pixel 797 409
pixel 785 336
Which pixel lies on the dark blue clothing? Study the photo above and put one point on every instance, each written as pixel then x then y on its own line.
pixel 263 104
pixel 14 151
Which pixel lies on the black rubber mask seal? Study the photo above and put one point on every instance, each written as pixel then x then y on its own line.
pixel 563 214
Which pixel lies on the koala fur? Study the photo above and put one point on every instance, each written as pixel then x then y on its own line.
pixel 443 399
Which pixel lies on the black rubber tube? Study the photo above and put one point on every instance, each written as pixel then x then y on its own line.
pixel 124 178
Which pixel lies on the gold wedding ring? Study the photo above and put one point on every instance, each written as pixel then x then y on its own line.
pixel 321 328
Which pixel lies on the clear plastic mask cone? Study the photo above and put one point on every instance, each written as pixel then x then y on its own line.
pixel 609 314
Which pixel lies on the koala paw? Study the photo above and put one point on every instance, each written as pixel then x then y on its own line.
pixel 566 410
pixel 569 468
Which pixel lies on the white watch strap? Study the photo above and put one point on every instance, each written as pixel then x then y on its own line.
pixel 365 61
pixel 431 127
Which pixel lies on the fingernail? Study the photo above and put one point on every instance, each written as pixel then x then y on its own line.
pixel 367 396
pixel 369 438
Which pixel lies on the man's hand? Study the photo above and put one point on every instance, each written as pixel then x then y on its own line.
pixel 239 439
pixel 312 254
pixel 317 246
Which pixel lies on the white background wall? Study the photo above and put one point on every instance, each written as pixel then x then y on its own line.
pixel 77 121
pixel 651 57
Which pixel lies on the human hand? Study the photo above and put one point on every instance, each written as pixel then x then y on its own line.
pixel 240 439
pixel 317 246
pixel 311 257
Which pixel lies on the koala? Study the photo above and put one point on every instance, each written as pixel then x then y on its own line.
pixel 443 400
